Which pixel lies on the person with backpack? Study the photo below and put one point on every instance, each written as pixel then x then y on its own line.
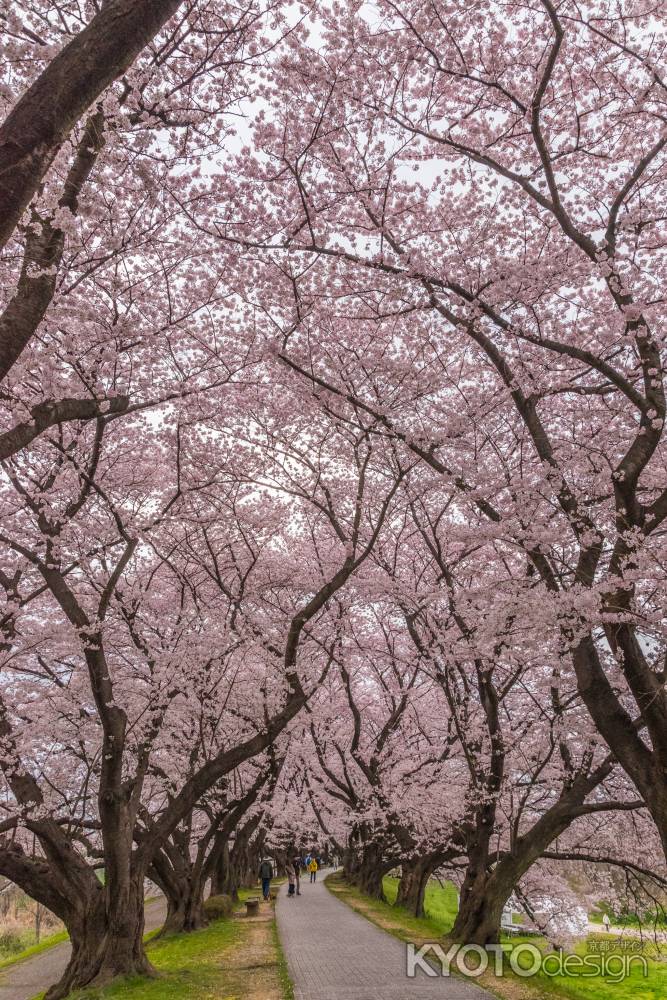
pixel 312 868
pixel 266 874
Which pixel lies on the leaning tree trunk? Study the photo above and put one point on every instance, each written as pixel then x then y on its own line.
pixel 107 941
pixel 483 898
pixel 412 886
pixel 487 889
pixel 370 872
pixel 185 906
pixel 646 768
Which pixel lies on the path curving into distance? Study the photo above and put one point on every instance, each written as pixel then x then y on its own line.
pixel 333 953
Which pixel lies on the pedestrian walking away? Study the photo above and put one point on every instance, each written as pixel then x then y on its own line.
pixel 266 874
pixel 312 868
pixel 297 874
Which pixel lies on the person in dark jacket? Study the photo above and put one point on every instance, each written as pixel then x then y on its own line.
pixel 266 874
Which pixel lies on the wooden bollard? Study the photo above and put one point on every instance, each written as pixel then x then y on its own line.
pixel 251 907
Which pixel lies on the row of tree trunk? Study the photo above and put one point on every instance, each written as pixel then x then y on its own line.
pixel 483 897
pixel 490 877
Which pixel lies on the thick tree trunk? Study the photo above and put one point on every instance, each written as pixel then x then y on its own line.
pixel 480 909
pixel 219 872
pixel 370 872
pixel 107 941
pixel 412 887
pixel 185 909
pixel 369 880
pixel 182 882
pixel 646 767
pixel 105 925
pixel 351 861
pixel 480 912
pixel 230 874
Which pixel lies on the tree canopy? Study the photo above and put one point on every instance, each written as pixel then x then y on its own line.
pixel 333 460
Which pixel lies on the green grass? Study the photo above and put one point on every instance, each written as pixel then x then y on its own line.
pixel 441 910
pixel 34 949
pixel 440 902
pixel 197 966
pixel 189 966
pixel 440 905
pixel 285 981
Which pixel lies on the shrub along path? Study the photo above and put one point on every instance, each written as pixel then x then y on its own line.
pixel 334 954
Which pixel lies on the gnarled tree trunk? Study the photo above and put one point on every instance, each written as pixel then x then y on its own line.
pixel 483 898
pixel 414 879
pixel 107 941
pixel 185 908
pixel 371 870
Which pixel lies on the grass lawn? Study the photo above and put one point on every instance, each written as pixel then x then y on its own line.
pixel 236 959
pixel 440 903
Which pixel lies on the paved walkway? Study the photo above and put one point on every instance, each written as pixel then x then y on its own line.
pixel 26 979
pixel 647 934
pixel 334 953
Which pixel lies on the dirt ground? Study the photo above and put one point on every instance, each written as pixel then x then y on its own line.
pixel 255 964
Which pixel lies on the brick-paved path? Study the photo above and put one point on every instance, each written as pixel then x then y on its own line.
pixel 334 953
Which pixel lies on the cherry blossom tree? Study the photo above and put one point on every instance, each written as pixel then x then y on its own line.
pixel 481 194
pixel 109 109
pixel 193 563
pixel 197 850
pixel 356 406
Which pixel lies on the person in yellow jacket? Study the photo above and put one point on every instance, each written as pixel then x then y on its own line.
pixel 312 868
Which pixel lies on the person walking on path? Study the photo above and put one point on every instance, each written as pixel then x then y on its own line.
pixel 312 868
pixel 266 874
pixel 297 874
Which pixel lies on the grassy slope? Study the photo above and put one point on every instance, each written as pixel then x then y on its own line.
pixel 441 910
pixel 34 949
pixel 229 960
